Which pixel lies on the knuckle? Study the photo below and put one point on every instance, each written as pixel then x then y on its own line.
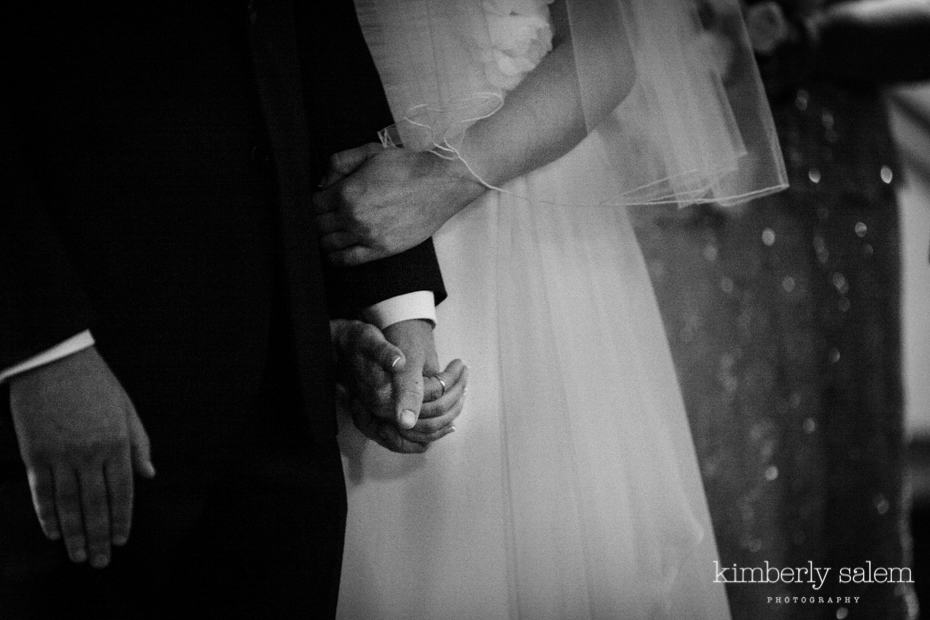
pixel 379 242
pixel 97 511
pixel 99 535
pixel 47 520
pixel 357 330
pixel 45 510
pixel 41 455
pixel 122 486
pixel 68 496
pixel 95 450
pixel 410 390
pixel 360 228
pixel 120 524
pixel 89 457
pixel 369 331
pixel 141 440
pixel 350 192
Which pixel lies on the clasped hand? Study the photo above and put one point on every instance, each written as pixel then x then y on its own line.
pixel 376 202
pixel 391 384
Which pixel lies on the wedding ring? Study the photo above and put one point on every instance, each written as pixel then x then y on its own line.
pixel 443 384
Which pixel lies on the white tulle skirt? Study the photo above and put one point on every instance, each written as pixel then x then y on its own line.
pixel 571 488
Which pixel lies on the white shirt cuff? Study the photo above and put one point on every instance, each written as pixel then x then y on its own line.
pixel 63 349
pixel 417 305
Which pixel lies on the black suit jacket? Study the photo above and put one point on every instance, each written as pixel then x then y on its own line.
pixel 161 159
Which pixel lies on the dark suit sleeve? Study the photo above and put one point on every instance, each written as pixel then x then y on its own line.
pixel 346 107
pixel 352 289
pixel 40 301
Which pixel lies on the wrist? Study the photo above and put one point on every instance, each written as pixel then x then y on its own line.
pixel 467 182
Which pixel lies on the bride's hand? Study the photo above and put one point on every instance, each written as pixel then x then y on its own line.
pixel 377 202
pixel 440 409
pixel 376 385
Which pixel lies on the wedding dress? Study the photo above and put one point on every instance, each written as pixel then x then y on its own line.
pixel 571 488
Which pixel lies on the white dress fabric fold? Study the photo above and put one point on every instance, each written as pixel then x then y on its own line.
pixel 571 489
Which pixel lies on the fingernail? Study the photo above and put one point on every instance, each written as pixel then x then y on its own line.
pixel 451 429
pixel 79 556
pixel 396 362
pixel 119 541
pixel 100 561
pixel 408 418
pixel 54 535
pixel 149 470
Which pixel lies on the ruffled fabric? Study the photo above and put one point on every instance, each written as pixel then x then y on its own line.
pixel 520 34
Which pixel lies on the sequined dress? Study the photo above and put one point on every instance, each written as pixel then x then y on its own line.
pixel 783 322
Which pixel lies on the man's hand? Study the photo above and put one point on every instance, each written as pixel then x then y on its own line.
pixel 384 388
pixel 80 439
pixel 415 339
pixel 365 361
pixel 378 202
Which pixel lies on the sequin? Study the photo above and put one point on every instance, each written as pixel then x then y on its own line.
pixel 840 283
pixel 801 100
pixel 809 426
pixel 887 175
pixel 768 237
pixel 861 229
pixel 820 247
pixel 771 473
pixel 814 175
pixel 767 451
pixel 710 253
pixel 757 432
pixel 881 504
pixel 788 283
pixel 842 613
pixel 834 355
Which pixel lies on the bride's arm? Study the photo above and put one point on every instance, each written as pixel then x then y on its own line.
pixel 387 201
pixel 543 117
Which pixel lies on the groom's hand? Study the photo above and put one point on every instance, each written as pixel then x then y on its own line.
pixel 379 384
pixel 80 439
pixel 365 361
pixel 376 202
pixel 415 339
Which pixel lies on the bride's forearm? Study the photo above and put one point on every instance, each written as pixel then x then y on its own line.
pixel 545 116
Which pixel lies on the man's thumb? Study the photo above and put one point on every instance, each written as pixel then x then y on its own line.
pixel 408 397
pixel 346 162
pixel 140 447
